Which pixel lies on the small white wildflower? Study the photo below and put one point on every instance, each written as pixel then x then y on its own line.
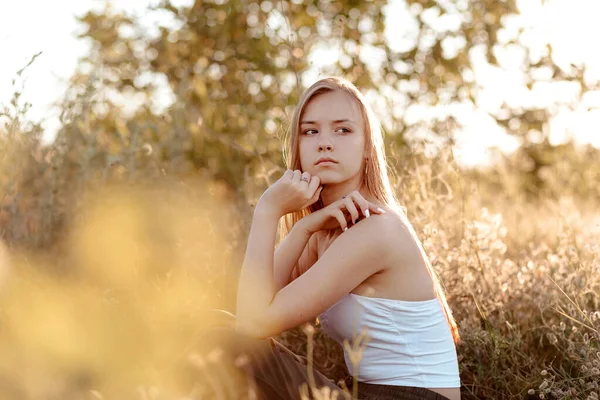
pixel 544 385
pixel 147 147
pixel 531 392
pixel 308 329
pixel 544 372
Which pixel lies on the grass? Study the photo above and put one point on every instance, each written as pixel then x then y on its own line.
pixel 107 270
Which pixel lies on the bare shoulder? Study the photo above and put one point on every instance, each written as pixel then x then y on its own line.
pixel 388 226
pixel 396 234
pixel 381 231
pixel 404 274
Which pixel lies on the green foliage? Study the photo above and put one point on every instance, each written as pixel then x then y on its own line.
pixel 235 69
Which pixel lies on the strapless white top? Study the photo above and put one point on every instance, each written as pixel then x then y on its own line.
pixel 407 343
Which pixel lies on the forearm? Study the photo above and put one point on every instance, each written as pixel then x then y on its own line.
pixel 256 287
pixel 288 254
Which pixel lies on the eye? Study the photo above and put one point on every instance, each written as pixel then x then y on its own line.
pixel 307 132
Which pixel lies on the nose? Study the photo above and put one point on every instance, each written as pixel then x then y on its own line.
pixel 325 143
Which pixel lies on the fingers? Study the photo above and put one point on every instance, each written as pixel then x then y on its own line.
pixel 313 190
pixel 300 176
pixel 296 175
pixel 351 207
pixel 339 215
pixel 376 209
pixel 305 177
pixel 315 196
pixel 314 183
pixel 354 200
pixel 360 201
pixel 308 185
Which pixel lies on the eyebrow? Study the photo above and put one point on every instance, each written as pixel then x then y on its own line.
pixel 335 122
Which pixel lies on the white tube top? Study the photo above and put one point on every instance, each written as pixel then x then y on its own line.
pixel 408 343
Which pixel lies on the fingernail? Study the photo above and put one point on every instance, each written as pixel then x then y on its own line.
pixel 345 229
pixel 381 210
pixel 368 213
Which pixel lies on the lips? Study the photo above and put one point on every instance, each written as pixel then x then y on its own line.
pixel 325 159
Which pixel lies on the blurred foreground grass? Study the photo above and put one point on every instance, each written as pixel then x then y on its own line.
pixel 121 306
pixel 115 309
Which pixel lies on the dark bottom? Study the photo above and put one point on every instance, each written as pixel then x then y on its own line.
pixel 275 372
pixel 369 391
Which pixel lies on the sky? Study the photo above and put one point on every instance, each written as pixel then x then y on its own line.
pixel 30 26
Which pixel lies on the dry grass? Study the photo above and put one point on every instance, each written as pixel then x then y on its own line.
pixel 108 271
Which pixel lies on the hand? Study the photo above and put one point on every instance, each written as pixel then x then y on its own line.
pixel 339 213
pixel 294 191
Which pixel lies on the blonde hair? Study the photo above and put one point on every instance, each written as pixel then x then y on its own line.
pixel 375 180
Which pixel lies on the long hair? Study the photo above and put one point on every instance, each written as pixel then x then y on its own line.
pixel 375 180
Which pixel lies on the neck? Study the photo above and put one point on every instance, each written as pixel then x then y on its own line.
pixel 334 192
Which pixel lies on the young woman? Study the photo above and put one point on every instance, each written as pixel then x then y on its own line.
pixel 349 257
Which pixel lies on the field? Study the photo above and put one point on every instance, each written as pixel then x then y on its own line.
pixel 119 235
pixel 107 275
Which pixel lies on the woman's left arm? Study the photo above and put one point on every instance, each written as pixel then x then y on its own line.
pixel 257 287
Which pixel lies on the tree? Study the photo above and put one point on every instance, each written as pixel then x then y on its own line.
pixel 235 70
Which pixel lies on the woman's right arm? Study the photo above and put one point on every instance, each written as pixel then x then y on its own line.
pixel 296 254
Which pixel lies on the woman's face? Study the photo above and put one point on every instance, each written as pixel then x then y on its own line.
pixel 332 126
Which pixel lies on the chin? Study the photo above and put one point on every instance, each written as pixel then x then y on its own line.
pixel 329 178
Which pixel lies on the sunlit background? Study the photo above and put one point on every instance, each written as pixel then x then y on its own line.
pixel 570 26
